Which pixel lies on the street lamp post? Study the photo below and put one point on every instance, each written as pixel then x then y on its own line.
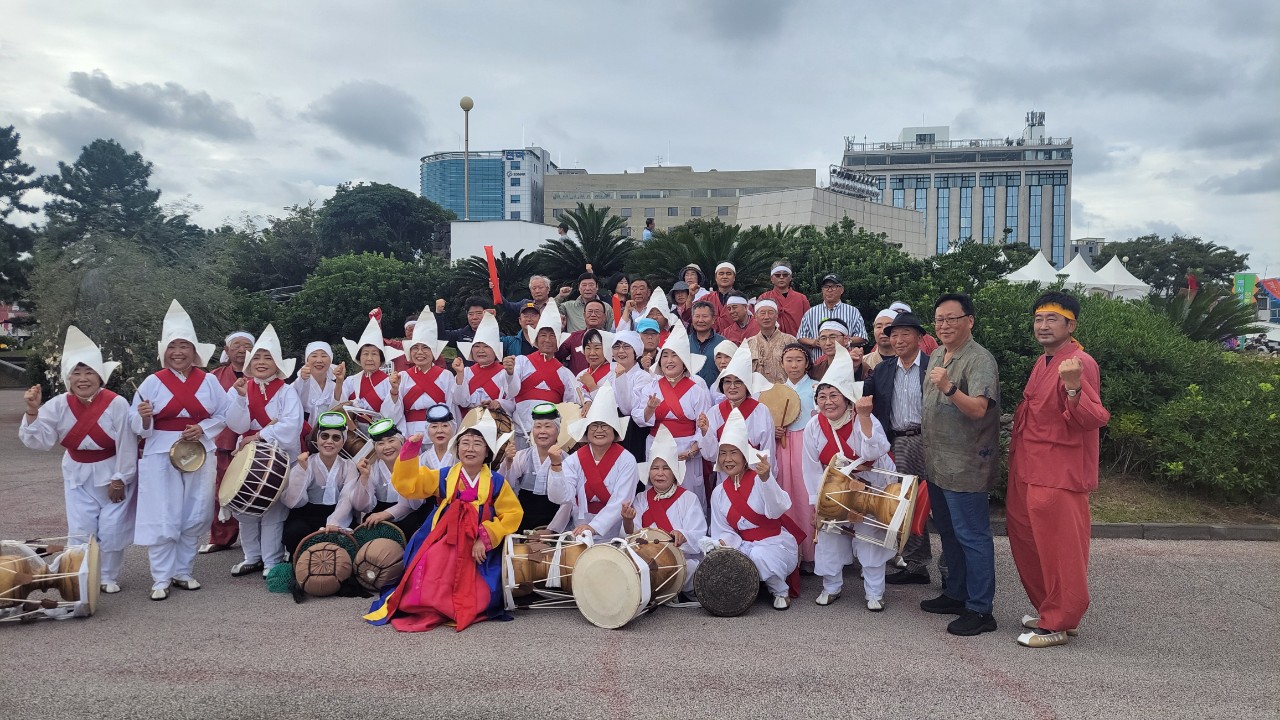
pixel 466 103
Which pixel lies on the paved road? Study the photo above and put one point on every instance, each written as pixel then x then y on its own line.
pixel 1177 630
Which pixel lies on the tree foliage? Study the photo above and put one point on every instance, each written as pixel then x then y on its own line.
pixel 378 218
pixel 16 176
pixel 1165 264
pixel 599 244
pixel 1211 314
pixel 471 275
pixel 107 189
pixel 277 256
pixel 708 243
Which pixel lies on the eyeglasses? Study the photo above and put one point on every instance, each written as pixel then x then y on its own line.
pixel 950 320
pixel 329 436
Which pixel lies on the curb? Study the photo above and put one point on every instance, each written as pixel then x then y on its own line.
pixel 1172 531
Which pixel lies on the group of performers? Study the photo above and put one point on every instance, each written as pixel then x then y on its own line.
pixel 657 448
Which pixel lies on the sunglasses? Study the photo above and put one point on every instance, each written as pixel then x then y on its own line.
pixel 329 436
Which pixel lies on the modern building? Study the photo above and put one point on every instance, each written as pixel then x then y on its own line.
pixel 505 184
pixel 821 207
pixel 984 190
pixel 670 195
pixel 1089 247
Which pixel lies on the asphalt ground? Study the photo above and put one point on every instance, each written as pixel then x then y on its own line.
pixel 1178 629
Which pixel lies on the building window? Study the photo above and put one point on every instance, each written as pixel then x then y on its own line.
pixel 695 212
pixel 1011 214
pixel 673 212
pixel 950 180
pixel 624 212
pixel 1050 177
pixel 515 164
pixel 988 215
pixel 1033 226
pixel 966 214
pixel 650 212
pixel 626 231
pixel 1059 224
pixel 515 199
pixel 515 182
pixel 722 211
pixel 899 198
pixel 944 219
pixel 515 214
pixel 922 203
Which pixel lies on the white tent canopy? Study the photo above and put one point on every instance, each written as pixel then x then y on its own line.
pixel 1078 272
pixel 1116 279
pixel 1038 270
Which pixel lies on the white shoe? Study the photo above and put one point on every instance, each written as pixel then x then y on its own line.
pixel 1041 639
pixel 898 562
pixel 781 602
pixel 827 598
pixel 110 588
pixel 160 592
pixel 186 582
pixel 1031 622
pixel 875 604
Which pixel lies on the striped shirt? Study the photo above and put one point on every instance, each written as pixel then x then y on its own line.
pixel 843 312
pixel 908 396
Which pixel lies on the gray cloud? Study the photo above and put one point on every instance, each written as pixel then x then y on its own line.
pixel 742 21
pixel 169 106
pixel 1262 179
pixel 1237 137
pixel 371 113
pixel 72 130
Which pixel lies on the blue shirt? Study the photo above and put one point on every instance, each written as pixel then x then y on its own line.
pixel 707 349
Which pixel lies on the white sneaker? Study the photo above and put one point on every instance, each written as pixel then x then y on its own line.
pixel 1031 622
pixel 1042 639
pixel 827 598
pixel 110 588
pixel 160 592
pixel 186 582
pixel 781 602
pixel 875 604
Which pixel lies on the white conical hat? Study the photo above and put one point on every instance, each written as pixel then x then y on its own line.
pixel 425 332
pixel 78 349
pixel 839 375
pixel 664 446
pixel 740 366
pixel 488 430
pixel 678 342
pixel 372 335
pixel 270 342
pixel 486 333
pixel 735 433
pixel 604 408
pixel 177 326
pixel 550 319
pixel 658 301
pixel 606 338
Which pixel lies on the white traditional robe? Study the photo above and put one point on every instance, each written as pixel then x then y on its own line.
pixel 84 485
pixel 524 408
pixel 568 486
pixel 351 391
pixel 605 381
pixel 525 472
pixel 626 387
pixel 320 485
pixel 445 381
pixel 434 460
pixel 760 429
pixel 835 550
pixel 775 557
pixel 695 402
pixel 315 397
pixel 686 516
pixel 174 508
pixel 465 399
pixel 261 536
pixel 380 490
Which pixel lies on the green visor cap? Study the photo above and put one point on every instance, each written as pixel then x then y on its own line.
pixel 332 421
pixel 545 411
pixel 386 427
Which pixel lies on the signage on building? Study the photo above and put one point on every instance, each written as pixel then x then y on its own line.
pixel 1246 284
pixel 515 154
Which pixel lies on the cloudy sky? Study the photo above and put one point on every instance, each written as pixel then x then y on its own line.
pixel 249 107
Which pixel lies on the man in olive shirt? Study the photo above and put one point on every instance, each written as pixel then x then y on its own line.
pixel 961 429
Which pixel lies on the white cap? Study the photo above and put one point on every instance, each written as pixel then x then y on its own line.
pixel 604 408
pixel 372 335
pixel 726 265
pixel 734 433
pixel 736 300
pixel 840 376
pixel 766 303
pixel 725 347
pixel 890 314
pixel 425 332
pixel 78 349
pixel 739 366
pixel 899 307
pixel 630 337
pixel 271 343
pixel 177 326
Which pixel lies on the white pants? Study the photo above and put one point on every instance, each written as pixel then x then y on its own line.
pixel 91 512
pixel 835 550
pixel 775 558
pixel 174 512
pixel 690 567
pixel 262 536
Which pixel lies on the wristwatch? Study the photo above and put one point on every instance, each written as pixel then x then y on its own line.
pixel 952 391
pixel 1073 393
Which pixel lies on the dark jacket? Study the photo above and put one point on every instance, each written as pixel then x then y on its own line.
pixel 880 386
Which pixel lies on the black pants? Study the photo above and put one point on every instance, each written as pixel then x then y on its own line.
pixel 302 521
pixel 538 510
pixel 410 523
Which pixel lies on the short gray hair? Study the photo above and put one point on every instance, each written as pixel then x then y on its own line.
pixel 536 278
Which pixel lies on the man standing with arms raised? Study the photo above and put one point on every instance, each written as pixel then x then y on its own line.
pixel 960 424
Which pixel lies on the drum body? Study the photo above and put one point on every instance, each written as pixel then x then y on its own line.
pixel 67 566
pixel 543 565
pixel 254 479
pixel 623 579
pixel 727 582
pixel 358 420
pixel 665 560
pixel 883 515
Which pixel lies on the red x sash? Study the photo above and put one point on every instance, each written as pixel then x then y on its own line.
pixel 656 513
pixel 602 372
pixel 184 398
pixel 368 389
pixel 679 424
pixel 545 370
pixel 258 399
pixel 596 489
pixel 424 383
pixel 739 510
pixel 482 378
pixel 747 407
pixel 86 425
pixel 837 440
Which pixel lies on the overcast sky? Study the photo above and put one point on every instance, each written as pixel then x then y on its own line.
pixel 249 107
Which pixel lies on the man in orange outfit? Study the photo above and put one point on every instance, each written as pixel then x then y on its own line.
pixel 1053 466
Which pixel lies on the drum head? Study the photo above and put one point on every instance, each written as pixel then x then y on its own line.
pixel 727 582
pixel 236 473
pixel 187 455
pixel 783 403
pixel 90 580
pixel 606 587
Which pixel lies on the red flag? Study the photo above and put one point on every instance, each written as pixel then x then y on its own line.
pixel 1192 284
pixel 493 274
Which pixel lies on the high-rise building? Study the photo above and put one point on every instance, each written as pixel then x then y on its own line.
pixel 505 184
pixel 983 190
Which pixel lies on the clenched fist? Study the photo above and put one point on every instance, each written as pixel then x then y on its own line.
pixel 864 406
pixel 32 396
pixel 940 379
pixel 241 384
pixel 1069 372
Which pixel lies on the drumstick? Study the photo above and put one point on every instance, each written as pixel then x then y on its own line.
pixel 783 441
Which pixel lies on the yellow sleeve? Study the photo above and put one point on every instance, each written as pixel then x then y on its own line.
pixel 507 515
pixel 413 480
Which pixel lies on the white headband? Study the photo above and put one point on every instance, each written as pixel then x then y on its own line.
pixel 736 300
pixel 410 325
pixel 765 304
pixel 318 345
pixel 726 265
pixel 898 307
pixel 780 268
pixel 886 314
pixel 222 357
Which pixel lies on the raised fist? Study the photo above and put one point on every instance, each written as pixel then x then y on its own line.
pixel 32 397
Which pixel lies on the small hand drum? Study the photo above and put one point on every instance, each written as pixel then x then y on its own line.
pixel 727 582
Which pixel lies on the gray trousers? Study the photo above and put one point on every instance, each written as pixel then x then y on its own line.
pixel 908 454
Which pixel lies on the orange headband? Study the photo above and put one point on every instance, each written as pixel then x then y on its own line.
pixel 1056 308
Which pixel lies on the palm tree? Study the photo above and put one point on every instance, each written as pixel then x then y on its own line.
pixel 599 244
pixel 708 243
pixel 471 275
pixel 1211 314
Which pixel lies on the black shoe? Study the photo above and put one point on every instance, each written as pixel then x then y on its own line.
pixel 972 623
pixel 902 577
pixel 942 605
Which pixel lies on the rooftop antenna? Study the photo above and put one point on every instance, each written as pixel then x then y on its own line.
pixel 522 136
pixel 659 160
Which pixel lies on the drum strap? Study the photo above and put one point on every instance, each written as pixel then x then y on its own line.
pixel 258 397
pixel 597 492
pixel 482 378
pixel 656 514
pixel 678 423
pixel 837 440
pixel 545 371
pixel 740 510
pixel 424 383
pixel 87 425
pixel 184 398
pixel 369 389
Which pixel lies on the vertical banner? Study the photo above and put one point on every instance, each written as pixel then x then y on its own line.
pixel 493 274
pixel 1246 284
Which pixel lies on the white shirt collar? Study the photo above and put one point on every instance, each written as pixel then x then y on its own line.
pixel 919 355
